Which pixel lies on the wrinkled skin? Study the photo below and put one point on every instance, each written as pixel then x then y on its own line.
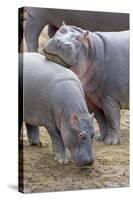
pixel 38 18
pixel 101 61
pixel 54 98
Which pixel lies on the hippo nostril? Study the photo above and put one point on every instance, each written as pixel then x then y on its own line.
pixel 67 45
pixel 91 161
pixel 58 43
pixel 82 163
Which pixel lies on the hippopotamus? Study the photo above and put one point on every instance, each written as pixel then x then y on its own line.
pixel 53 97
pixel 38 18
pixel 101 61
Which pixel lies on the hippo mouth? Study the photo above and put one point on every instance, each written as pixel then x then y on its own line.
pixel 55 58
pixel 82 161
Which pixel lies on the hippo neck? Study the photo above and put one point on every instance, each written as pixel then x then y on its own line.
pixel 93 68
pixel 74 102
pixel 99 48
pixel 93 63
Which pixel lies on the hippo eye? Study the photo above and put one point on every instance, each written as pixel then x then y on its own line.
pixel 63 30
pixel 71 30
pixel 82 136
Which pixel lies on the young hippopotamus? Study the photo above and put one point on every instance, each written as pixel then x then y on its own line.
pixel 101 61
pixel 53 97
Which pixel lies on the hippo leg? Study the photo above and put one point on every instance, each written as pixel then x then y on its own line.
pixel 58 148
pixel 33 134
pixel 102 123
pixel 112 113
pixel 101 120
pixel 32 31
pixel 52 30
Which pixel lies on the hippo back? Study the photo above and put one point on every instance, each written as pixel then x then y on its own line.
pixel 40 78
pixel 40 68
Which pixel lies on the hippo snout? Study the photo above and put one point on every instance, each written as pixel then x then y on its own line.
pixel 84 162
pixel 59 44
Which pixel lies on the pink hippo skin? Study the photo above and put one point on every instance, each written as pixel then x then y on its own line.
pixel 53 97
pixel 101 61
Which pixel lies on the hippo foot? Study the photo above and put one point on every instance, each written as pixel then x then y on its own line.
pixel 112 139
pixel 36 144
pixel 63 158
pixel 99 137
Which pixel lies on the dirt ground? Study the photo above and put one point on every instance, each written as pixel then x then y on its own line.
pixel 111 168
pixel 43 174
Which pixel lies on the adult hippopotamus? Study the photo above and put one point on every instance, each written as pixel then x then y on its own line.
pixel 54 98
pixel 101 61
pixel 93 21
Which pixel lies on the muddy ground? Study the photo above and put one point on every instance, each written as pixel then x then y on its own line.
pixel 43 174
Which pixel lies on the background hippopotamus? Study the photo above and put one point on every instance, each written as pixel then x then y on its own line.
pixel 93 21
pixel 101 61
pixel 54 98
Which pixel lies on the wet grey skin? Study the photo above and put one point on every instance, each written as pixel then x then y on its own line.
pixel 53 97
pixel 101 61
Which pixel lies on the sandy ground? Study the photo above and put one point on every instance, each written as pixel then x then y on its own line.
pixel 43 174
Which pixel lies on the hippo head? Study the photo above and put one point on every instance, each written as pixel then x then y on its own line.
pixel 78 138
pixel 71 44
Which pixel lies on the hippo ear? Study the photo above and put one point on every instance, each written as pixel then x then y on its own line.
pixel 92 118
pixel 63 23
pixel 75 117
pixel 86 40
pixel 84 37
